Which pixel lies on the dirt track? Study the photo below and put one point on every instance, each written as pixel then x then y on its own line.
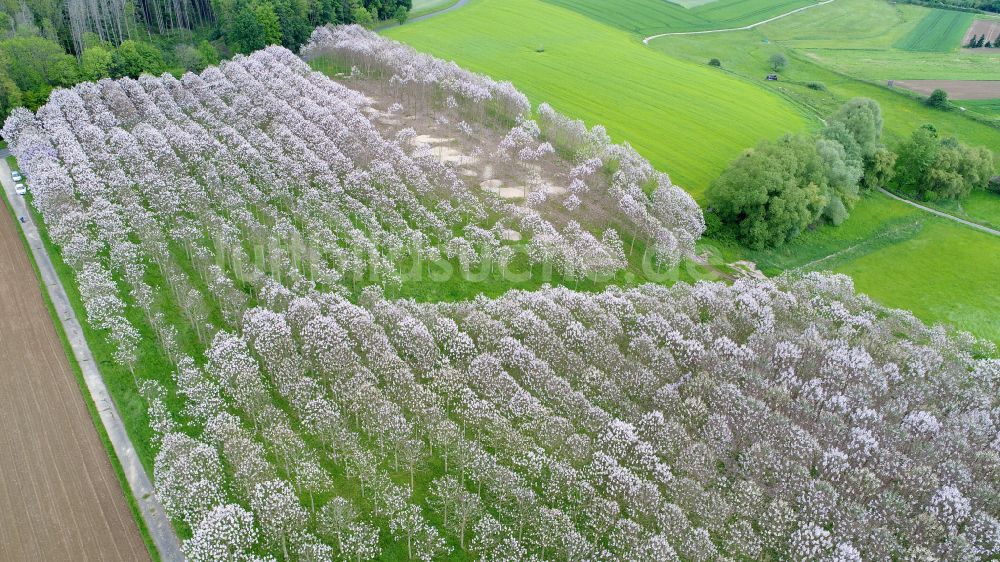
pixel 957 89
pixel 59 496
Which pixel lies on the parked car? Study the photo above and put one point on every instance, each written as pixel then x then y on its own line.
pixel 16 176
pixel 20 189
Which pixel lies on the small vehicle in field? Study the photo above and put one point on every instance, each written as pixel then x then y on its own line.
pixel 16 176
pixel 20 189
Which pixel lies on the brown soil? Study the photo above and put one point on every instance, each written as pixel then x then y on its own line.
pixel 59 496
pixel 957 89
pixel 989 28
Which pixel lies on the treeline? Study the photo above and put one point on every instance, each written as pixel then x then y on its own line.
pixel 962 5
pixel 773 192
pixel 47 44
pixel 982 41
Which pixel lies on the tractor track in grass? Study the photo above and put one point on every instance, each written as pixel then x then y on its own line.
pixel 744 28
pixel 60 496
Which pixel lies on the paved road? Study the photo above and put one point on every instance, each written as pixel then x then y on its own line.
pixel 454 6
pixel 971 224
pixel 745 27
pixel 158 524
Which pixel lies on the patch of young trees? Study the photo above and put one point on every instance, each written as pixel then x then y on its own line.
pixel 780 188
pixel 964 5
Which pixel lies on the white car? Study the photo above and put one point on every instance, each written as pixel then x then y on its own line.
pixel 16 176
pixel 20 189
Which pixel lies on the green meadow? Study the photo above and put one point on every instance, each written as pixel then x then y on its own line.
pixel 691 119
pixel 745 54
pixel 938 31
pixel 867 38
pixel 882 65
pixel 649 17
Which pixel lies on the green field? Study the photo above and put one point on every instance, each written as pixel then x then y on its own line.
pixel 859 38
pixel 689 119
pixel 903 257
pixel 987 110
pixel 881 65
pixel 982 207
pixel 648 17
pixel 745 54
pixel 847 24
pixel 945 273
pixel 938 31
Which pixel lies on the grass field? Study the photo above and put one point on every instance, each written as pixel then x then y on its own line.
pixel 860 38
pixel 906 258
pixel 689 119
pixel 938 31
pixel 648 17
pixel 847 24
pixel 746 53
pixel 986 109
pixel 982 207
pixel 945 272
pixel 881 65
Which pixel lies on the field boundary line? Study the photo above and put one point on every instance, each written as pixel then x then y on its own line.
pixel 744 28
pixel 943 214
pixel 156 520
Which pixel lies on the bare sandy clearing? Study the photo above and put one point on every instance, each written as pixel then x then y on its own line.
pixel 957 89
pixel 511 235
pixel 60 497
pixel 427 139
pixel 467 149
pixel 496 186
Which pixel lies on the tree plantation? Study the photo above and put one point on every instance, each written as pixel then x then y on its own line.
pixel 255 225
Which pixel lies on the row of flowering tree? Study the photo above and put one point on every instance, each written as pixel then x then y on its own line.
pixel 303 417
pixel 669 219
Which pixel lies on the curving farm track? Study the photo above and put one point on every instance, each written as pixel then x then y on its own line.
pixel 59 496
pixel 744 28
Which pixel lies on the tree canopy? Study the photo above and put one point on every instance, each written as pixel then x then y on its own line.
pixel 772 193
pixel 934 168
pixel 133 58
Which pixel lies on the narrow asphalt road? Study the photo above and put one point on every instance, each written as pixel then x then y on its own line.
pixel 157 522
pixel 454 6
pixel 745 27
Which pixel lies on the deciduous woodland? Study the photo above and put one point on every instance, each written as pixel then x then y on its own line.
pixel 257 219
